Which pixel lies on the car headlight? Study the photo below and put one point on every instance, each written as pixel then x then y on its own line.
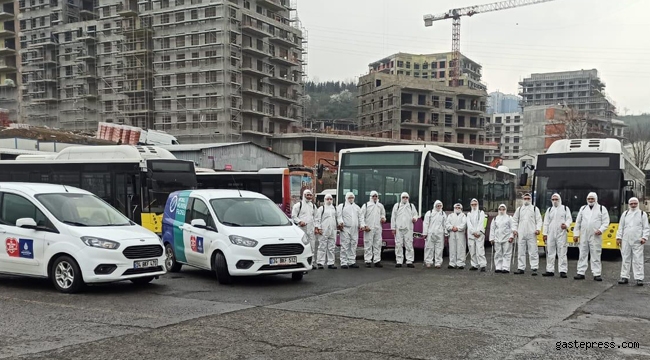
pixel 305 239
pixel 242 241
pixel 93 241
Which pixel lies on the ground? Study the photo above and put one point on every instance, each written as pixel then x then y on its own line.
pixel 362 313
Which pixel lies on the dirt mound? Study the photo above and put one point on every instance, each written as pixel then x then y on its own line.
pixel 50 135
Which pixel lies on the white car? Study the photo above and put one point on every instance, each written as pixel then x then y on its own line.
pixel 233 233
pixel 73 238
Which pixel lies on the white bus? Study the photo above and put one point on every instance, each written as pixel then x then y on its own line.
pixel 574 168
pixel 134 179
pixel 428 173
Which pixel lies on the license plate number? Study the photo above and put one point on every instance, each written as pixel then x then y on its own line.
pixel 279 261
pixel 145 264
pixel 383 243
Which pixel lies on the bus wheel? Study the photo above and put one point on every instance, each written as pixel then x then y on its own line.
pixel 170 259
pixel 220 266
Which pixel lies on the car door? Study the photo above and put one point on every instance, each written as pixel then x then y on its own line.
pixel 23 248
pixel 197 241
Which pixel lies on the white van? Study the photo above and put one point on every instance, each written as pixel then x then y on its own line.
pixel 233 233
pixel 73 238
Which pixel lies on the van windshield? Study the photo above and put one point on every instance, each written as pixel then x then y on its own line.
pixel 249 212
pixel 82 210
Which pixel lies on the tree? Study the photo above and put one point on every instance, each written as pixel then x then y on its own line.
pixel 639 139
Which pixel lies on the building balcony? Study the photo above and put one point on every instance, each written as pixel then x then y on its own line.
pixel 250 90
pixel 5 51
pixel 254 50
pixel 86 57
pixel 127 10
pixel 416 123
pixel 471 109
pixel 249 69
pixel 285 60
pixel 417 106
pixel 263 133
pixel 284 116
pixel 4 68
pixel 275 5
pixel 4 16
pixel 45 99
pixel 286 97
pixel 255 28
pixel 45 79
pixel 7 33
pixel 285 79
pixel 253 110
pixel 88 37
pixel 283 40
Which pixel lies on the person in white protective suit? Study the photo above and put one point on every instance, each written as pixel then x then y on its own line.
pixel 373 215
pixel 591 223
pixel 434 229
pixel 326 227
pixel 401 223
pixel 456 226
pixel 302 215
pixel 476 236
pixel 501 239
pixel 349 219
pixel 526 225
pixel 557 221
pixel 633 232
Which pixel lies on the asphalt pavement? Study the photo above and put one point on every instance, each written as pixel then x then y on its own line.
pixel 386 313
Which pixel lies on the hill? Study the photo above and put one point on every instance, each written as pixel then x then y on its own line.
pixel 634 120
pixel 331 100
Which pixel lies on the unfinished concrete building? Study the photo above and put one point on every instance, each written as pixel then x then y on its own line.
pixel 225 70
pixel 434 67
pixel 403 107
pixel 8 55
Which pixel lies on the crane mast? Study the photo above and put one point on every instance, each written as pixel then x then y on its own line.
pixel 456 14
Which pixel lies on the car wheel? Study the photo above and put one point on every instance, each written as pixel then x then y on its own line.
pixel 142 280
pixel 66 275
pixel 297 276
pixel 170 259
pixel 221 268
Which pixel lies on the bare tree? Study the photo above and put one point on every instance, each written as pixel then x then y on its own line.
pixel 638 136
pixel 569 125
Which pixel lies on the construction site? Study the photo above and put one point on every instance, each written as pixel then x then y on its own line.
pixel 207 72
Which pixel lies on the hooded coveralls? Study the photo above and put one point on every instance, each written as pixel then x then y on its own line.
pixel 556 237
pixel 434 229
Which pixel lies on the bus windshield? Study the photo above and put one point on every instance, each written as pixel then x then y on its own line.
pixel 574 185
pixel 168 176
pixel 388 182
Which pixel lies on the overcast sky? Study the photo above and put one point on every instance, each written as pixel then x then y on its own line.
pixel 612 36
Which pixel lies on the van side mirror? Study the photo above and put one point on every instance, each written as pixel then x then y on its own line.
pixel 199 223
pixel 26 223
pixel 523 179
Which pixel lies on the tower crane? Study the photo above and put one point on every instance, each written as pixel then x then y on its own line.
pixel 456 14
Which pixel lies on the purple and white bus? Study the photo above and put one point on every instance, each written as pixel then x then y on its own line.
pixel 428 173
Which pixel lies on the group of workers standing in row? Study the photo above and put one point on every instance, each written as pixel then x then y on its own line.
pixel 521 230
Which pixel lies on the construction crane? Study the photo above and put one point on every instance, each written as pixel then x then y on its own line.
pixel 456 14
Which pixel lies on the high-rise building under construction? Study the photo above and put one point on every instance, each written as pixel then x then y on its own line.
pixel 203 70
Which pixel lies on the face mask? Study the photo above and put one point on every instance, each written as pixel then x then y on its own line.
pixel 328 202
pixel 457 211
pixel 556 202
pixel 404 201
pixel 591 202
pixel 375 200
pixel 526 202
pixel 633 206
pixel 502 212
pixel 351 201
pixel 474 207
pixel 438 208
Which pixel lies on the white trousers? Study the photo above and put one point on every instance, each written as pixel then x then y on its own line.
pixel 590 246
pixel 556 246
pixel 313 241
pixel 372 245
pixel 404 238
pixel 502 255
pixel 349 242
pixel 326 249
pixel 632 251
pixel 457 249
pixel 433 249
pixel 477 251
pixel 527 243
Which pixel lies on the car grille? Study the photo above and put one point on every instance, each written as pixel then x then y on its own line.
pixel 282 249
pixel 143 251
pixel 143 270
pixel 282 267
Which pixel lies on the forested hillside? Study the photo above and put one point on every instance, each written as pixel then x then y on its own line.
pixel 331 100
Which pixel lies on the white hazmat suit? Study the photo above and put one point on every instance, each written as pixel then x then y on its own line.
pixel 434 228
pixel 326 225
pixel 501 238
pixel 633 230
pixel 349 215
pixel 373 215
pixel 526 221
pixel 401 222
pixel 476 226
pixel 591 219
pixel 556 237
pixel 457 238
pixel 303 213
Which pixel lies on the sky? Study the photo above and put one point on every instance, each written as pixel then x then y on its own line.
pixel 613 36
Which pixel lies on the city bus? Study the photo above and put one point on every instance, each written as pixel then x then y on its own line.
pixel 575 167
pixel 284 186
pixel 136 180
pixel 428 173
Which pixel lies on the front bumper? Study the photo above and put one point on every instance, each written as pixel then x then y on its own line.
pixel 244 261
pixel 104 266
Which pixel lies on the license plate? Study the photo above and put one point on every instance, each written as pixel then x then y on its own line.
pixel 145 264
pixel 279 261
pixel 383 243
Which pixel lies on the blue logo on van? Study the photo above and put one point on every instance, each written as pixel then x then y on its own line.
pixel 173 217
